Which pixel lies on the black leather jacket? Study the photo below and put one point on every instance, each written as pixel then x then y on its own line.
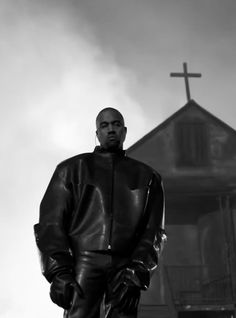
pixel 100 201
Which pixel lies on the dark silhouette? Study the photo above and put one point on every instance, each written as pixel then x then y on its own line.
pixel 101 227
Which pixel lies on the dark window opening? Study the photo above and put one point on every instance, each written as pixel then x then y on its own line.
pixel 192 144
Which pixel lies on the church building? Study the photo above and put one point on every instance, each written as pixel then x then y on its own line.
pixel 195 153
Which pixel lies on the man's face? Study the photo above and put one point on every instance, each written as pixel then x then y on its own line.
pixel 111 132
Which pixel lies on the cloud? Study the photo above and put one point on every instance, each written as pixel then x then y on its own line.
pixel 54 81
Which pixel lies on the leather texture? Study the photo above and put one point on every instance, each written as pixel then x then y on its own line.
pixel 95 272
pixel 62 289
pixel 100 201
pixel 126 287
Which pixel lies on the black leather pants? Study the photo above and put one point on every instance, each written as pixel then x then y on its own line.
pixel 94 273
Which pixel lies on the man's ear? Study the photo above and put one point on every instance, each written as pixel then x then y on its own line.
pixel 97 135
pixel 124 133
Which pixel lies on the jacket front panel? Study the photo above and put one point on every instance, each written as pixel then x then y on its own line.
pixel 100 201
pixel 110 203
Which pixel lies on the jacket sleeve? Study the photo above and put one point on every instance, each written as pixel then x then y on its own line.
pixel 50 234
pixel 152 234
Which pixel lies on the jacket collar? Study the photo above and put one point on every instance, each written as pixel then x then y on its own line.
pixel 100 150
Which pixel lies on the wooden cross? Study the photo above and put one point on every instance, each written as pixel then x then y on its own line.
pixel 186 75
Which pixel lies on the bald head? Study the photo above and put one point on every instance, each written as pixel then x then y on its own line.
pixel 110 110
pixel 111 130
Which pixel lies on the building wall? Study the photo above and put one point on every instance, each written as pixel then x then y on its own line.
pixel 182 248
pixel 161 149
pixel 197 250
pixel 213 246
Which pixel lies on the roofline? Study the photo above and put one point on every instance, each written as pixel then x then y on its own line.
pixel 174 115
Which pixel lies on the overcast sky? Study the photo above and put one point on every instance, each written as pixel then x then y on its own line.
pixel 63 61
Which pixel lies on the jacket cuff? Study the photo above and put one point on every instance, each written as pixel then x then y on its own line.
pixel 51 267
pixel 55 254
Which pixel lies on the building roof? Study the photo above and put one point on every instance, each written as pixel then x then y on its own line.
pixel 187 106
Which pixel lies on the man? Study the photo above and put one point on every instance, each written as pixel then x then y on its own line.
pixel 101 227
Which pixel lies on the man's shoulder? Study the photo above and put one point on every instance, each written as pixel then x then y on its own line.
pixel 70 162
pixel 143 166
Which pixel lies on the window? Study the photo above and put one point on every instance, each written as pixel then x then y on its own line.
pixel 192 144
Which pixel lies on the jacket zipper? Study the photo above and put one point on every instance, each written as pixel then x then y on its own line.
pixel 111 207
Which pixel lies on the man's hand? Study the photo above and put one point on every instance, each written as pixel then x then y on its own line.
pixel 126 289
pixel 62 289
pixel 127 299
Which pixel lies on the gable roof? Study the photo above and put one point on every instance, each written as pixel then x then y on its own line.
pixel 189 104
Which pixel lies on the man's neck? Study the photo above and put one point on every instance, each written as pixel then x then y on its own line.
pixel 109 150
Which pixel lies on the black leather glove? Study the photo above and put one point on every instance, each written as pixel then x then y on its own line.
pixel 127 299
pixel 126 287
pixel 62 289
